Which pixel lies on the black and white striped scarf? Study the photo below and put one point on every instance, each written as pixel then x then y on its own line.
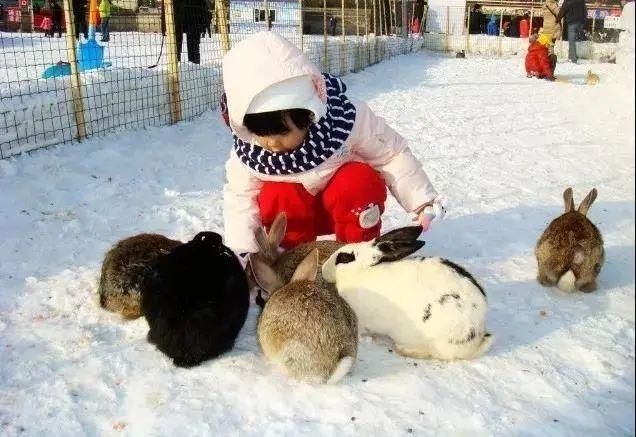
pixel 324 138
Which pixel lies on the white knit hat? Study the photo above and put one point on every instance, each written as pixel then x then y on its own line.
pixel 296 92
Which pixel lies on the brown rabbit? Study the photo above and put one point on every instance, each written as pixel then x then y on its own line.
pixel 125 268
pixel 591 78
pixel 570 252
pixel 285 263
pixel 305 328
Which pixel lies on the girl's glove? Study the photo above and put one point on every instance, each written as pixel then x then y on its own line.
pixel 433 211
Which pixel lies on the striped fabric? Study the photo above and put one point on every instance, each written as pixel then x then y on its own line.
pixel 324 138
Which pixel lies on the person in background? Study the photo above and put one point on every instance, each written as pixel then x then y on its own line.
pixel 575 14
pixel 506 28
pixel 539 63
pixel 493 26
pixel 476 21
pixel 104 14
pixel 79 15
pixel 551 27
pixel 514 27
pixel 56 17
pixel 415 25
pixel 524 26
pixel 189 18
pixel 333 22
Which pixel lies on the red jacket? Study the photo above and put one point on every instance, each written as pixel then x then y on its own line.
pixel 538 61
pixel 524 28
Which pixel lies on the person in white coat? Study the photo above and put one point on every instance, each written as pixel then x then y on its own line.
pixel 302 147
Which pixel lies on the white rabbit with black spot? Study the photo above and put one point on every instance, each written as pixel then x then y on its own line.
pixel 429 307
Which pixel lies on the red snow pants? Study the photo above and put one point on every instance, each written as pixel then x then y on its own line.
pixel 349 206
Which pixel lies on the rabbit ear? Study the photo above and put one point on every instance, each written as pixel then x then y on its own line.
pixel 396 250
pixel 406 234
pixel 587 202
pixel 308 268
pixel 264 247
pixel 265 276
pixel 568 199
pixel 277 231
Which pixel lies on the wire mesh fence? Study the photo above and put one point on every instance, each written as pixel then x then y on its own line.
pixel 71 69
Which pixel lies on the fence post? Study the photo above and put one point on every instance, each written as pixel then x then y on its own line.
pixel 324 36
pixel 468 29
pixel 76 90
pixel 375 24
pixel 343 60
pixel 380 17
pixel 447 28
pixel 173 64
pixel 268 22
pixel 221 23
pixel 358 55
pixel 300 25
pixel 500 33
pixel 405 34
pixel 367 60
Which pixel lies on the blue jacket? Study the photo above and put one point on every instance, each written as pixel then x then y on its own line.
pixel 493 27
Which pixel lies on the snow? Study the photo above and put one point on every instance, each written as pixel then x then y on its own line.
pixel 500 147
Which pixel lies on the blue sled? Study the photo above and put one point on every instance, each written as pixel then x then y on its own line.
pixel 90 56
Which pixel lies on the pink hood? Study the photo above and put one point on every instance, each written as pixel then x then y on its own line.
pixel 256 63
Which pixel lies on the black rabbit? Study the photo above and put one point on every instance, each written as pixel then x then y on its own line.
pixel 199 300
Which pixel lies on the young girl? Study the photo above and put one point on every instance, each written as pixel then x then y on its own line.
pixel 302 147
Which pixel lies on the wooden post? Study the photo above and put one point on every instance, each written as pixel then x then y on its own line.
pixel 500 33
pixel 405 33
pixel 324 36
pixel 268 22
pixel 173 64
pixel 531 17
pixel 343 64
pixel 380 16
pixel 375 20
pixel 468 30
pixel 447 28
pixel 221 24
pixel 300 24
pixel 358 46
pixel 366 35
pixel 76 83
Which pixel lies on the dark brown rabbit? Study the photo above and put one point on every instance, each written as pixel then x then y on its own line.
pixel 124 270
pixel 570 252
pixel 285 263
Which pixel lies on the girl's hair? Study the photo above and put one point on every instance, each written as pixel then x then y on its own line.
pixel 275 123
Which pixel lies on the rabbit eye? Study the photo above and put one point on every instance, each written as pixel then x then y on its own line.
pixel 345 258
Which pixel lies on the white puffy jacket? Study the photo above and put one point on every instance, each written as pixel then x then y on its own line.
pixel 265 59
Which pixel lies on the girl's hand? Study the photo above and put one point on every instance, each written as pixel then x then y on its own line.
pixel 434 210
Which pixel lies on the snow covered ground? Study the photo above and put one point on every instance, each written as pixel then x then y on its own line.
pixel 499 146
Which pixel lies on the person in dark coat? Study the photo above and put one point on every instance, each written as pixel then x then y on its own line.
pixel 477 21
pixel 57 13
pixel 514 27
pixel 190 18
pixel 79 15
pixel 333 22
pixel 575 14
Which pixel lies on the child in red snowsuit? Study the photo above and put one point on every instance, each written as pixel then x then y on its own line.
pixel 302 147
pixel 539 62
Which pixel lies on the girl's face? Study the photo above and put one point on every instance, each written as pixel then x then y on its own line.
pixel 283 142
